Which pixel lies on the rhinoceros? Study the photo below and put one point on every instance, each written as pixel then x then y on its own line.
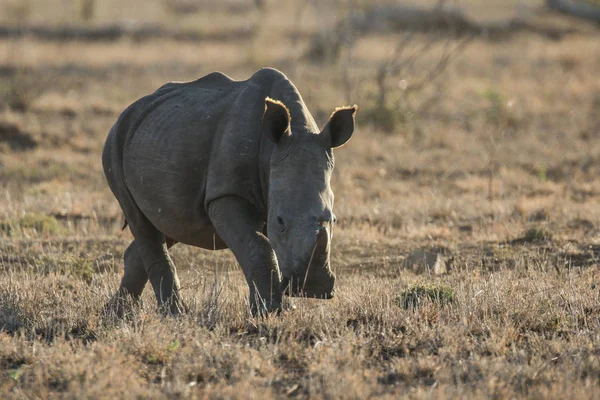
pixel 218 163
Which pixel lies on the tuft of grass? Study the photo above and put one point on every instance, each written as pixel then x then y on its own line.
pixel 79 267
pixel 498 112
pixel 16 373
pixel 35 223
pixel 42 171
pixel 536 234
pixel 414 295
pixel 211 309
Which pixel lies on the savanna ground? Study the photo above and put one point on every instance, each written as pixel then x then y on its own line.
pixel 490 167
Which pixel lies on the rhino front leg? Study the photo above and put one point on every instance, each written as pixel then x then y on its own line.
pixel 239 224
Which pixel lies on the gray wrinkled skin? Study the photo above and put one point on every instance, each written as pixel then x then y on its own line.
pixel 216 163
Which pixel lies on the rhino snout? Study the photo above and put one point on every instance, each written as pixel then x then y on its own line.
pixel 313 277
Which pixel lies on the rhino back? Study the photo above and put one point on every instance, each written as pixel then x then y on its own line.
pixel 172 146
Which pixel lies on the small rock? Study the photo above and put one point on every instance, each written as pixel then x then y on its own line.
pixel 440 267
pixel 423 261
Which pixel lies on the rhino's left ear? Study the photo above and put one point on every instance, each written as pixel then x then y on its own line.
pixel 340 126
pixel 276 120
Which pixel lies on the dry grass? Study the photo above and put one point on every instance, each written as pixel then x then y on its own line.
pixel 500 176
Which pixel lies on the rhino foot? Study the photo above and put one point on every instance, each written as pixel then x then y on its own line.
pixel 288 305
pixel 262 309
pixel 173 307
pixel 122 306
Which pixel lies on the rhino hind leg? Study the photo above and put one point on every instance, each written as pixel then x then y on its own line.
pixel 150 250
pixel 161 272
pixel 134 280
pixel 150 247
pixel 238 223
pixel 135 276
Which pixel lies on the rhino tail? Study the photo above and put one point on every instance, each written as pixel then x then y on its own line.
pixel 124 225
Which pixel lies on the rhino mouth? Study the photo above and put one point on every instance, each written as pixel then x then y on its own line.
pixel 293 287
pixel 318 280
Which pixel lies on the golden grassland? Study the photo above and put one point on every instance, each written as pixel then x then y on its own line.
pixel 493 168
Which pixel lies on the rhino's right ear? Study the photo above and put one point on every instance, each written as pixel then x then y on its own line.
pixel 276 120
pixel 340 127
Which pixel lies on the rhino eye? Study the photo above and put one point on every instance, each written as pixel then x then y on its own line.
pixel 281 224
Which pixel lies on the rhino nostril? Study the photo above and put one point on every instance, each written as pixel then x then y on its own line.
pixel 326 218
pixel 281 224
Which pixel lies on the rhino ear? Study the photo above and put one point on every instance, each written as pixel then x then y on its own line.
pixel 340 126
pixel 276 120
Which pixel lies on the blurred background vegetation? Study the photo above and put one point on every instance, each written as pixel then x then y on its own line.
pixel 497 100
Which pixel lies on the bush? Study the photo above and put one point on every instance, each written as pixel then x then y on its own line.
pixel 413 296
pixel 388 119
pixel 537 234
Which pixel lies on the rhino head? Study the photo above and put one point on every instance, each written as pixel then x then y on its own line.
pixel 300 200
